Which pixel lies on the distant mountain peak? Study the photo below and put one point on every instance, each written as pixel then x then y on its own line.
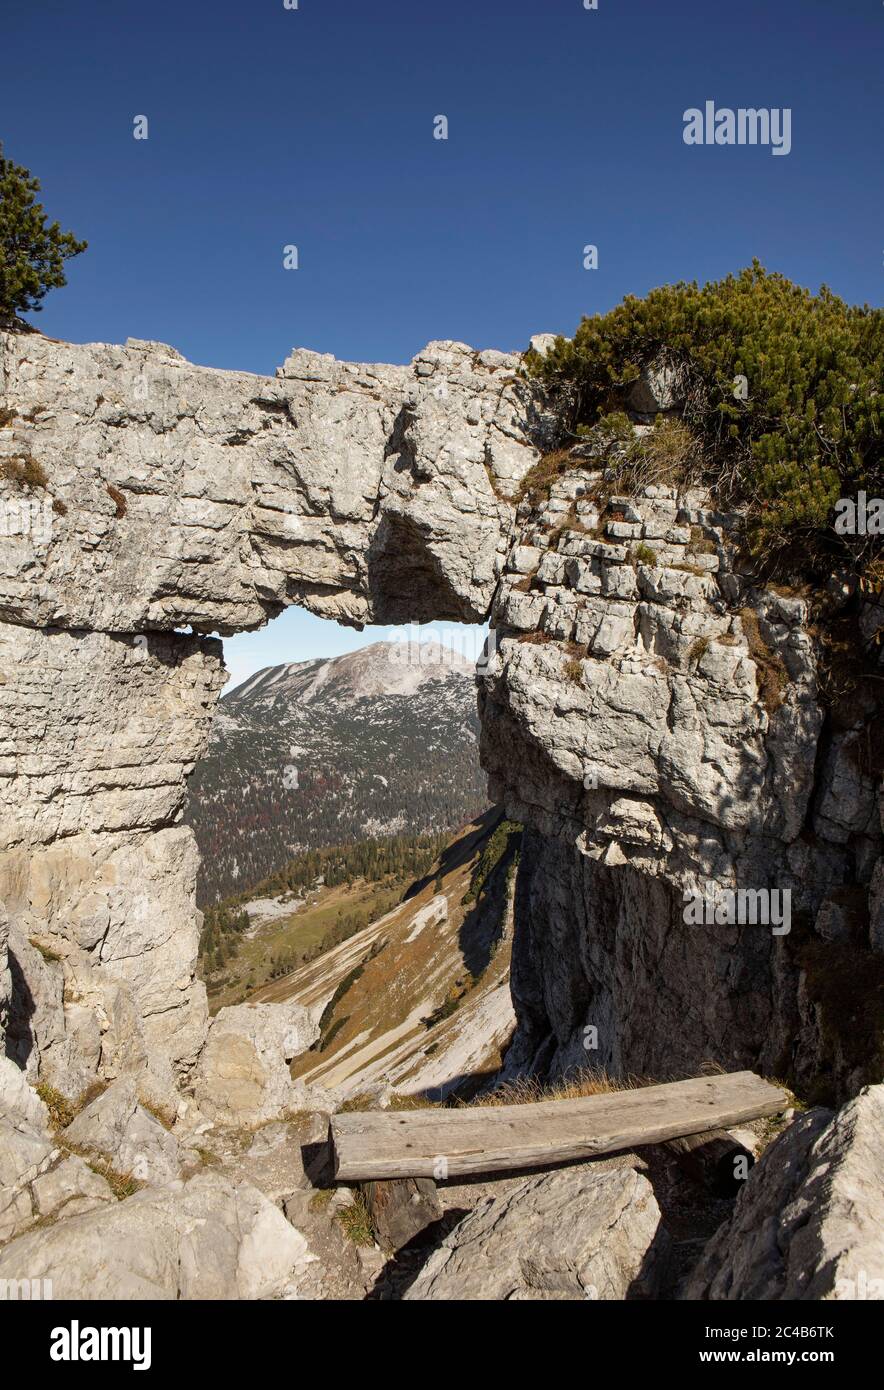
pixel 375 743
pixel 382 668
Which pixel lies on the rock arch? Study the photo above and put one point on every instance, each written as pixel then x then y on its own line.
pixel 188 497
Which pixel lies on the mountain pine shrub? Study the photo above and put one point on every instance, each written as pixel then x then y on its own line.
pixel 809 429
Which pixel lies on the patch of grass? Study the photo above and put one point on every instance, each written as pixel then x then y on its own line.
pixel 772 677
pixel 92 1092
pixel 61 1110
pixel 538 480
pixel 117 498
pixel 161 1113
pixel 283 945
pixel 326 1030
pixel 51 957
pixel 666 456
pixel 320 1200
pixel 505 838
pixel 573 671
pixel 122 1185
pixel 397 1102
pixel 700 543
pixel 333 1032
pixel 24 470
pixel 358 1102
pixel 412 1102
pixel 355 1221
pixel 642 554
pixel 698 649
pixel 452 1002
pixel 581 1081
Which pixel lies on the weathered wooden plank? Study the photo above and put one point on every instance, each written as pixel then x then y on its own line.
pixel 447 1143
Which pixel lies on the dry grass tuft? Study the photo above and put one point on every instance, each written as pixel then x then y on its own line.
pixel 51 957
pixel 698 649
pixel 117 497
pixel 163 1114
pixel 24 470
pixel 772 674
pixel 62 1110
pixel 538 480
pixel 573 671
pixel 582 1081
pixel 642 554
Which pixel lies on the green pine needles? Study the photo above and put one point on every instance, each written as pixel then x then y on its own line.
pixel 784 390
pixel 32 254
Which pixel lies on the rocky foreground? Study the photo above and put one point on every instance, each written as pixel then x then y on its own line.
pixel 251 1211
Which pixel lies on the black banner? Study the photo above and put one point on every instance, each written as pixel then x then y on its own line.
pixel 83 1339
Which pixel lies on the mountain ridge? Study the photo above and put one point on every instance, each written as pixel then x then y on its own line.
pixel 373 743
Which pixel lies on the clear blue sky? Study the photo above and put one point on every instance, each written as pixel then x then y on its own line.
pixel 314 127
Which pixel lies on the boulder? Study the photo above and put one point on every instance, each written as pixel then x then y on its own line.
pixel 207 1238
pixel 243 1076
pixel 68 1189
pixel 24 1155
pixel 117 1126
pixel 541 343
pixel 656 389
pixel 808 1222
pixel 26 1148
pixel 577 1233
pixel 19 1102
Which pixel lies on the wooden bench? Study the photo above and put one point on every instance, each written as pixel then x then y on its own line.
pixel 435 1143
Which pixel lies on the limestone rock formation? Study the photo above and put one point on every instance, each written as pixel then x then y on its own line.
pixel 19 1103
pixel 117 1126
pixel 574 1234
pixel 243 1076
pixel 650 714
pixel 205 1238
pixel 671 739
pixel 24 1155
pixel 5 973
pixel 169 495
pixel 97 877
pixel 369 493
pixel 650 711
pixel 808 1222
pixel 69 1189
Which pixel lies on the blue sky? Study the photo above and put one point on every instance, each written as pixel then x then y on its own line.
pixel 314 127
